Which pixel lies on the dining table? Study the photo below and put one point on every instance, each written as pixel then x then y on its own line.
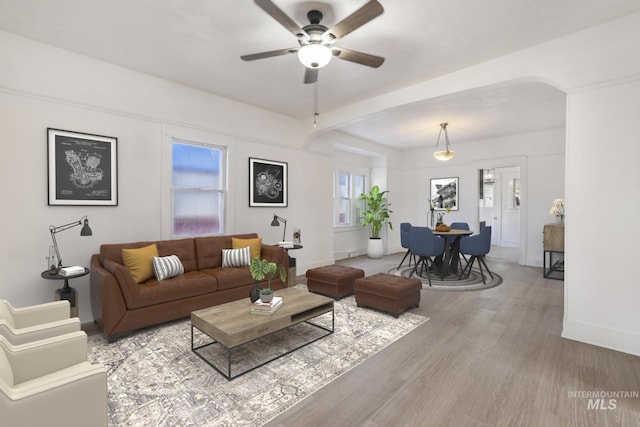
pixel 448 263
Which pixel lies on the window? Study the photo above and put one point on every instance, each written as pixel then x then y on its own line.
pixel 348 206
pixel 198 188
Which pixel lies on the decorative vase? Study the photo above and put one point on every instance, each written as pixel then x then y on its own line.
pixel 254 294
pixel 266 297
pixel 560 219
pixel 375 248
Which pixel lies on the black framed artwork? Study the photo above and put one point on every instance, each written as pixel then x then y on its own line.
pixel 82 168
pixel 444 193
pixel 267 183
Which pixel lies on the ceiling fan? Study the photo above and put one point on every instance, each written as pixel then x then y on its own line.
pixel 316 41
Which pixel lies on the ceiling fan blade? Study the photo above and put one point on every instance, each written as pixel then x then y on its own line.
pixel 276 13
pixel 354 21
pixel 358 57
pixel 310 75
pixel 270 54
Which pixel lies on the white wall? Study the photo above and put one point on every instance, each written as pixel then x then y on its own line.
pixel 602 294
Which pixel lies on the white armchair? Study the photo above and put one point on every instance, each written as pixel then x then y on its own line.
pixel 50 382
pixel 36 322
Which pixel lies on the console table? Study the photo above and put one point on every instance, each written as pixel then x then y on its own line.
pixel 553 243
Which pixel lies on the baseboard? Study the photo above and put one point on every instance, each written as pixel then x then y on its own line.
pixel 614 339
pixel 350 254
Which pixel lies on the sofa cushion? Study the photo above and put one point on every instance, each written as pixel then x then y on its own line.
pixel 183 248
pixel 236 257
pixel 192 283
pixel 254 244
pixel 139 262
pixel 228 278
pixel 167 267
pixel 209 249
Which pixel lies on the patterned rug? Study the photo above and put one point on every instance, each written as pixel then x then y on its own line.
pixel 154 379
pixel 451 283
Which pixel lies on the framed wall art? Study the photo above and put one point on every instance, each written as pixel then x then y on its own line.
pixel 444 193
pixel 267 183
pixel 82 168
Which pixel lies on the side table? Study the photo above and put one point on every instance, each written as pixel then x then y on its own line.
pixel 66 292
pixel 291 274
pixel 553 245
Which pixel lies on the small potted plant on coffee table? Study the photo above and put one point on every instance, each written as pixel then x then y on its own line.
pixel 261 269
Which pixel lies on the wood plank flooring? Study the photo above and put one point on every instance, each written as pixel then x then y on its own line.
pixel 486 358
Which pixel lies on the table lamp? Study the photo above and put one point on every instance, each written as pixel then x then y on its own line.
pixel 276 223
pixel 85 231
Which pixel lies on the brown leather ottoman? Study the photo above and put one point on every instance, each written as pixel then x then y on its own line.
pixel 335 281
pixel 389 293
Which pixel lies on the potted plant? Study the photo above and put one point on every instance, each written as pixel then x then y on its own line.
pixel 376 215
pixel 261 269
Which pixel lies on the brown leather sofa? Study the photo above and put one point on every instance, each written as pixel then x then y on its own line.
pixel 120 305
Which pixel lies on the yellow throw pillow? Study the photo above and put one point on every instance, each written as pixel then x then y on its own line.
pixel 140 262
pixel 254 244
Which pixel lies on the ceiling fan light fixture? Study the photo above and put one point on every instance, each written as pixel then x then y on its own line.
pixel 314 55
pixel 444 155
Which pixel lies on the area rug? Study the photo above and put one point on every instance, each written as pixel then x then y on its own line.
pixel 154 379
pixel 451 283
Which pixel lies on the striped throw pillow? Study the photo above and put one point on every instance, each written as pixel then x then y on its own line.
pixel 167 266
pixel 236 257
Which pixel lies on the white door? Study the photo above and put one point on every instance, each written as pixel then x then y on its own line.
pixel 500 206
pixel 510 208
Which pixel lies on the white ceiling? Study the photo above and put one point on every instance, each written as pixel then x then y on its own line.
pixel 199 42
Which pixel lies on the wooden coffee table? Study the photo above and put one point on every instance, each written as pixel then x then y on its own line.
pixel 232 325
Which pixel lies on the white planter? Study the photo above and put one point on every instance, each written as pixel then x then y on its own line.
pixel 375 248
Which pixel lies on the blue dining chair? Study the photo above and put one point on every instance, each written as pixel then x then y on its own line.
pixel 459 226
pixel 476 247
pixel 405 230
pixel 425 245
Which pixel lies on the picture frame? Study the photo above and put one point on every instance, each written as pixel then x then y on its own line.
pixel 444 193
pixel 82 169
pixel 268 183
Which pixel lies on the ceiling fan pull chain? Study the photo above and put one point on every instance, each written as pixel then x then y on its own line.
pixel 315 104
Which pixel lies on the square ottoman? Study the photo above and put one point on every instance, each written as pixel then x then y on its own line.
pixel 334 281
pixel 388 293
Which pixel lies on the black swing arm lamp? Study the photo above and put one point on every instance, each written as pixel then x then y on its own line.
pixel 276 223
pixel 85 231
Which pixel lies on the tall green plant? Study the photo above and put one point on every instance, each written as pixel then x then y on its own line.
pixel 377 212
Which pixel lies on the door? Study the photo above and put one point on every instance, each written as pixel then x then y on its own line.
pixel 500 205
pixel 510 208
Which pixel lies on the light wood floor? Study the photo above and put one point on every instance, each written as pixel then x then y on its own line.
pixel 486 358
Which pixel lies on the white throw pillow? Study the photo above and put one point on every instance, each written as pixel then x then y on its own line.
pixel 167 266
pixel 236 257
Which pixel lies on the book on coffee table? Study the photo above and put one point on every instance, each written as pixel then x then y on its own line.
pixel 266 308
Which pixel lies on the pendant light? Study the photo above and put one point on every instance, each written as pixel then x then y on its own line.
pixel 444 155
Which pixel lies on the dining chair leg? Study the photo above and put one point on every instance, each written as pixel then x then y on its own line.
pixel 425 262
pixel 415 268
pixel 469 266
pixel 403 258
pixel 484 282
pixel 481 260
